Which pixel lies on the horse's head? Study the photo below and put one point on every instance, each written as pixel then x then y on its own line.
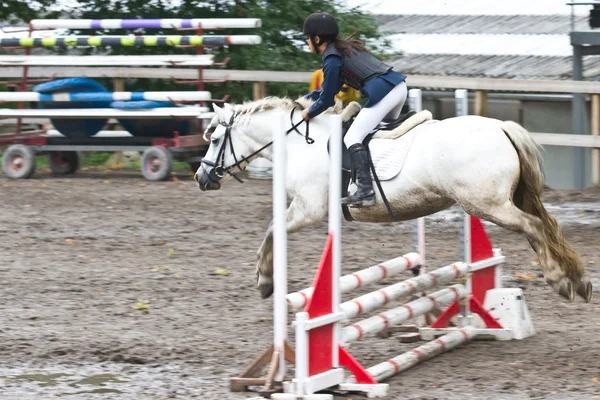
pixel 222 159
pixel 238 135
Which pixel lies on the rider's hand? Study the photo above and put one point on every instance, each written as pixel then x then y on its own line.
pixel 305 114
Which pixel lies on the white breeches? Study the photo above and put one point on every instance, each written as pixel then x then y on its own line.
pixel 368 118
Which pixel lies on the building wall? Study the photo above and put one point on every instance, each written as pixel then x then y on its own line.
pixel 565 167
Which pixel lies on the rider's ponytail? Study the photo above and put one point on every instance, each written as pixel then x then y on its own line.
pixel 347 45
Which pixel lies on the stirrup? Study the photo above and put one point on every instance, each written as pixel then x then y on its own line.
pixel 355 202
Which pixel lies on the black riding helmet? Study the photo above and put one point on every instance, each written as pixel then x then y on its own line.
pixel 321 24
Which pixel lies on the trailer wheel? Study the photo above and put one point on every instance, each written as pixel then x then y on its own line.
pixel 64 162
pixel 18 161
pixel 156 163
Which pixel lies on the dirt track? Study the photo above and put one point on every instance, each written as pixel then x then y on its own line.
pixel 80 253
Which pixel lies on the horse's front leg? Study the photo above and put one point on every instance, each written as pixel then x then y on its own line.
pixel 300 213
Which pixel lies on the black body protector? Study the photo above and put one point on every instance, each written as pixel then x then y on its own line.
pixel 357 68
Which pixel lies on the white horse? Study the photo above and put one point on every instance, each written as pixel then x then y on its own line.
pixel 492 169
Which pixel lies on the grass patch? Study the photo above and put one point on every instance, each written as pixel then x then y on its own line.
pixel 87 160
pixel 98 159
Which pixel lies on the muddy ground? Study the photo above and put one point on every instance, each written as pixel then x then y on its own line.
pixel 113 287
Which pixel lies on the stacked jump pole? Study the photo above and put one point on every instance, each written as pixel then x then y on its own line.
pixel 175 131
pixel 321 339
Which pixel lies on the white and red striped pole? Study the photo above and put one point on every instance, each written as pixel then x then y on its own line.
pixel 406 312
pixel 374 300
pixel 422 353
pixel 366 276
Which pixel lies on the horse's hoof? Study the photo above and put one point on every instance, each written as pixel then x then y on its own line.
pixel 565 289
pixel 584 289
pixel 266 290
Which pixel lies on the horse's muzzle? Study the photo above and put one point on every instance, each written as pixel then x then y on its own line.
pixel 205 182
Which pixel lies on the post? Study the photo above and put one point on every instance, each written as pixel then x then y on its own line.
pixel 335 222
pixel 279 244
pixel 415 103
pixel 481 103
pixel 462 109
pixel 462 102
pixel 118 84
pixel 578 106
pixel 259 90
pixel 596 132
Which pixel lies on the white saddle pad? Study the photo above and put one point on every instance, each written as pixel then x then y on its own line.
pixel 389 154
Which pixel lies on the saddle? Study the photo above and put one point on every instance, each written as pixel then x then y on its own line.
pixel 383 126
pixel 387 130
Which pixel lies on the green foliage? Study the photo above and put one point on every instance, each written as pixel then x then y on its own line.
pixel 19 11
pixel 99 159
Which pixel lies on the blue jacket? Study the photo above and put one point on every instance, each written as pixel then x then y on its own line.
pixel 374 89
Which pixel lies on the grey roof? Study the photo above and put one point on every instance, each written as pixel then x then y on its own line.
pixel 513 67
pixel 489 24
pixel 492 66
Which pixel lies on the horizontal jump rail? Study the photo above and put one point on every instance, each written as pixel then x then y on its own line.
pixel 157 23
pixel 101 134
pixel 374 300
pixel 105 96
pixel 110 61
pixel 366 276
pixel 398 315
pixel 85 113
pixel 131 41
pixel 403 362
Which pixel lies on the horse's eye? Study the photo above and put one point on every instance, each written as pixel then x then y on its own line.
pixel 214 141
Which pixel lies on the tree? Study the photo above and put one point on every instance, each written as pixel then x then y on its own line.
pixel 17 11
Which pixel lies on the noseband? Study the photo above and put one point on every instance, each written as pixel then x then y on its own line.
pixel 219 169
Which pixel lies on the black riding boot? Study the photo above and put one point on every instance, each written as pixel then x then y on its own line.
pixel 364 195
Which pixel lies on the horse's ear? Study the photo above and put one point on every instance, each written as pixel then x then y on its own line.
pixel 219 111
pixel 228 107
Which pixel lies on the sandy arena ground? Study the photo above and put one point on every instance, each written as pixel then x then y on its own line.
pixel 80 253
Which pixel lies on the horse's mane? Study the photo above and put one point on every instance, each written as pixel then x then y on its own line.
pixel 273 102
pixel 266 104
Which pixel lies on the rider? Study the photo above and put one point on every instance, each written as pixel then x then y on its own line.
pixel 349 62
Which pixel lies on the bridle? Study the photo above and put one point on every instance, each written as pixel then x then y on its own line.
pixel 219 169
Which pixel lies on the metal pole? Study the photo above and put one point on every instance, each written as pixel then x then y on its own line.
pixel 462 109
pixel 415 103
pixel 301 352
pixel 596 132
pixel 335 222
pixel 578 117
pixel 462 102
pixel 280 243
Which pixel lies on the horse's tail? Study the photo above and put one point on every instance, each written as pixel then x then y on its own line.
pixel 528 197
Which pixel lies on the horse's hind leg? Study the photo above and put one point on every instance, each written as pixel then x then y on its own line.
pixel 508 216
